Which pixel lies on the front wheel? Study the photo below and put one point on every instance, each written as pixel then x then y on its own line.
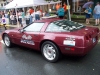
pixel 7 41
pixel 50 51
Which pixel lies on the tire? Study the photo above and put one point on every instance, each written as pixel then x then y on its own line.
pixel 50 51
pixel 7 41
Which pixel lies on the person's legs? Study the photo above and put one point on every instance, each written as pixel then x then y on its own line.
pixel 5 26
pixel 96 19
pixel 28 22
pixel 0 21
pixel 21 22
pixel 13 22
pixel 31 18
pixel 61 17
pixel 96 22
pixel 37 17
pixel 87 18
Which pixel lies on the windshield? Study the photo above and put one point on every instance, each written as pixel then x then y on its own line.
pixel 64 26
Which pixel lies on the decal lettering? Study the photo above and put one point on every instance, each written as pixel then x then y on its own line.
pixel 70 41
pixel 27 40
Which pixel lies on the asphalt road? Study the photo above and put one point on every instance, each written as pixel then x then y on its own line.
pixel 23 61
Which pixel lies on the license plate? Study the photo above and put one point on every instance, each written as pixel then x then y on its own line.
pixel 94 40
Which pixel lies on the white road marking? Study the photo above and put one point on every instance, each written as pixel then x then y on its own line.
pixel 2 41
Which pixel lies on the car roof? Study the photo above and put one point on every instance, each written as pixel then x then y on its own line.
pixel 48 20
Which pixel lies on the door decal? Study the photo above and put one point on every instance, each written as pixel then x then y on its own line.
pixel 27 40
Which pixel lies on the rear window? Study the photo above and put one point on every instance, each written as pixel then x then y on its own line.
pixel 64 26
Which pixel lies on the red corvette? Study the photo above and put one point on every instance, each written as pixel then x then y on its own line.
pixel 54 37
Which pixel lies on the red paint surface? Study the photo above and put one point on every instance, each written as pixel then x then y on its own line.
pixel 83 38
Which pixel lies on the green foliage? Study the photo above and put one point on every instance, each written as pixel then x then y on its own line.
pixel 78 16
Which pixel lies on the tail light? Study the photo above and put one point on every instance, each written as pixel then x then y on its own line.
pixel 72 49
pixel 87 38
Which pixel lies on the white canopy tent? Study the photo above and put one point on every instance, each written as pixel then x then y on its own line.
pixel 28 3
pixel 11 5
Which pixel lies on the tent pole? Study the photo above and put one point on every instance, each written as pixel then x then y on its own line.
pixel 34 12
pixel 17 17
pixel 69 17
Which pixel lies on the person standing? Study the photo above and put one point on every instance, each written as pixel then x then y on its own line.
pixel 20 18
pixel 23 18
pixel 61 12
pixel 88 14
pixel 27 18
pixel 12 19
pixel 97 14
pixel 0 17
pixel 4 21
pixel 65 8
pixel 57 6
pixel 37 14
pixel 31 11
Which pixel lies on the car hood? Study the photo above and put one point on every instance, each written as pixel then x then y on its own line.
pixel 12 30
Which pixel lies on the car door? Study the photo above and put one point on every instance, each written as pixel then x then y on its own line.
pixel 29 36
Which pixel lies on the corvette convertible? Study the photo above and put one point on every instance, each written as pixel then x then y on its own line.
pixel 54 37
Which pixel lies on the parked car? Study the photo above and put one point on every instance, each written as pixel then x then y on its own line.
pixel 54 37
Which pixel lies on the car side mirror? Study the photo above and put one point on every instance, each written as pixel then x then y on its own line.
pixel 21 30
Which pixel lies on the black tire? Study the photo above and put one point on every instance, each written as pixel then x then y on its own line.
pixel 54 51
pixel 10 43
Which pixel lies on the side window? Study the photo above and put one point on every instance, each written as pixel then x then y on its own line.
pixel 54 28
pixel 35 27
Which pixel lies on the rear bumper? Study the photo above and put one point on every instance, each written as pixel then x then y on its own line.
pixel 78 51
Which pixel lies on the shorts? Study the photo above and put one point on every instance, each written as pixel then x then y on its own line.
pixel 97 16
pixel 87 15
pixel 37 17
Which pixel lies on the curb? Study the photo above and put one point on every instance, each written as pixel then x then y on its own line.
pixel 10 25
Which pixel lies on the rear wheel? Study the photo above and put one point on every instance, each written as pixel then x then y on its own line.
pixel 50 51
pixel 7 41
